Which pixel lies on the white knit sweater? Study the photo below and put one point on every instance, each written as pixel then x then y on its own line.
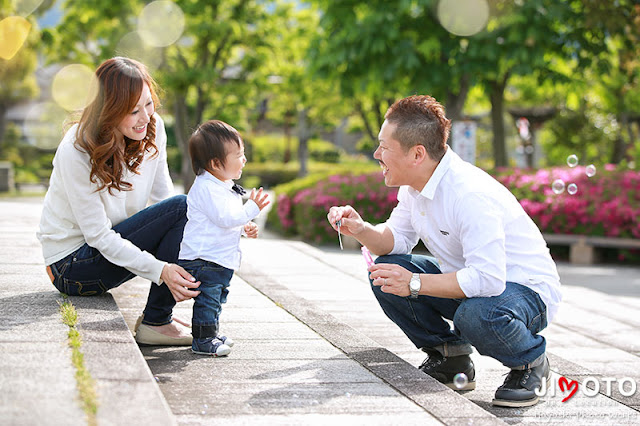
pixel 75 212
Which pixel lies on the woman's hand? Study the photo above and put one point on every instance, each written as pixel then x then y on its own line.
pixel 251 229
pixel 180 282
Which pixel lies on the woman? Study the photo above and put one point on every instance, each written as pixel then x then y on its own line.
pixel 95 230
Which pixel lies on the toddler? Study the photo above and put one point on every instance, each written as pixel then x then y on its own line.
pixel 216 219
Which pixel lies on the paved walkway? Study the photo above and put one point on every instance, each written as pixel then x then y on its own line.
pixel 312 347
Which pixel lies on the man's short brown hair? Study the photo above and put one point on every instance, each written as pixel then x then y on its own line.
pixel 420 120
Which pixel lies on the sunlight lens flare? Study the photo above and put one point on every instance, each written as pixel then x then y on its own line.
pixel 43 125
pixel 161 23
pixel 13 33
pixel 132 46
pixel 74 87
pixel 463 17
pixel 26 7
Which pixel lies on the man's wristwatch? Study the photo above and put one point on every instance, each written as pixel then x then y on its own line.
pixel 414 285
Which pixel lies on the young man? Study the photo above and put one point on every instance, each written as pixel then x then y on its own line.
pixel 492 274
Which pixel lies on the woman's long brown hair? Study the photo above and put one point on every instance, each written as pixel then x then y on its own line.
pixel 121 81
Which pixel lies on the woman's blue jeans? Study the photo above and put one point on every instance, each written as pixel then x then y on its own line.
pixel 157 230
pixel 504 327
pixel 214 288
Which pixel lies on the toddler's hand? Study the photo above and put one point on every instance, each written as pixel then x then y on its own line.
pixel 251 229
pixel 260 198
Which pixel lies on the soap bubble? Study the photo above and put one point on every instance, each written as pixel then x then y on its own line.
pixel 74 87
pixel 161 23
pixel 590 170
pixel 572 188
pixel 460 380
pixel 463 17
pixel 572 160
pixel 557 186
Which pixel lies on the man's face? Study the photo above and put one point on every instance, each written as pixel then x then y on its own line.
pixel 393 159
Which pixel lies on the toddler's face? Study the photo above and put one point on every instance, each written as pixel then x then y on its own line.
pixel 234 161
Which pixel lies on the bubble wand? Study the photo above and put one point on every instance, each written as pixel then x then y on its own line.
pixel 367 256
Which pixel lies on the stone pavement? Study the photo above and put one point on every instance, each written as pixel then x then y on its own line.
pixel 312 346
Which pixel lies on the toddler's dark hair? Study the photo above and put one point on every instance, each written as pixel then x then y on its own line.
pixel 208 143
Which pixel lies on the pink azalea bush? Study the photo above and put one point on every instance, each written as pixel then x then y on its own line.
pixel 607 204
pixel 304 212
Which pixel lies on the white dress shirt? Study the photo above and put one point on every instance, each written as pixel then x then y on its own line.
pixel 476 228
pixel 216 219
pixel 75 211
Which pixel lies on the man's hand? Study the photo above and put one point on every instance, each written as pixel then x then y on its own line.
pixel 350 221
pixel 180 282
pixel 251 229
pixel 391 278
pixel 260 197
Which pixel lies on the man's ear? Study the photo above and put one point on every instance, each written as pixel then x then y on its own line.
pixel 420 154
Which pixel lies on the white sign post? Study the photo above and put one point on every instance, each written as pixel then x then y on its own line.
pixel 464 140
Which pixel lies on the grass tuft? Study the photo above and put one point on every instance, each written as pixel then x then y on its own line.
pixel 84 383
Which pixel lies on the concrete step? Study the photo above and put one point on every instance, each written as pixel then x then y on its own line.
pixel 334 282
pixel 37 377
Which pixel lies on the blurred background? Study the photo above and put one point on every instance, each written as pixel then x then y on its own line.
pixel 543 94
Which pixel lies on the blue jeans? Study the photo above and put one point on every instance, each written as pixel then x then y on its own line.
pixel 157 230
pixel 214 288
pixel 504 327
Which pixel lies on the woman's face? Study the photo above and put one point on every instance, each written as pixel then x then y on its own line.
pixel 134 125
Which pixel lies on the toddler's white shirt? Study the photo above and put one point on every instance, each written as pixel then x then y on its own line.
pixel 216 219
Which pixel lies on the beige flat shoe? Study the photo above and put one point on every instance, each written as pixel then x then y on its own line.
pixel 146 335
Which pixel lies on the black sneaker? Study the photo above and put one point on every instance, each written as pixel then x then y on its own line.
pixel 210 346
pixel 518 389
pixel 445 370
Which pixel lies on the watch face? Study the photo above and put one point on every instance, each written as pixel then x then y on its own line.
pixel 414 284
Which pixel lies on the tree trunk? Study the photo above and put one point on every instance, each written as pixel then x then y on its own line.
pixel 497 122
pixel 455 101
pixel 181 132
pixel 367 126
pixel 303 140
pixel 3 125
pixel 619 145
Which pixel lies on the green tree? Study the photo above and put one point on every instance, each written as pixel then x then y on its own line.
pixel 617 70
pixel 17 78
pixel 379 54
pixel 212 71
pixel 533 37
pixel 296 99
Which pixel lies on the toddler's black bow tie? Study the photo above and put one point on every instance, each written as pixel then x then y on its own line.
pixel 237 188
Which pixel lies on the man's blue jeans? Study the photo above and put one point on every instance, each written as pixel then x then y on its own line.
pixel 503 327
pixel 157 230
pixel 214 288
